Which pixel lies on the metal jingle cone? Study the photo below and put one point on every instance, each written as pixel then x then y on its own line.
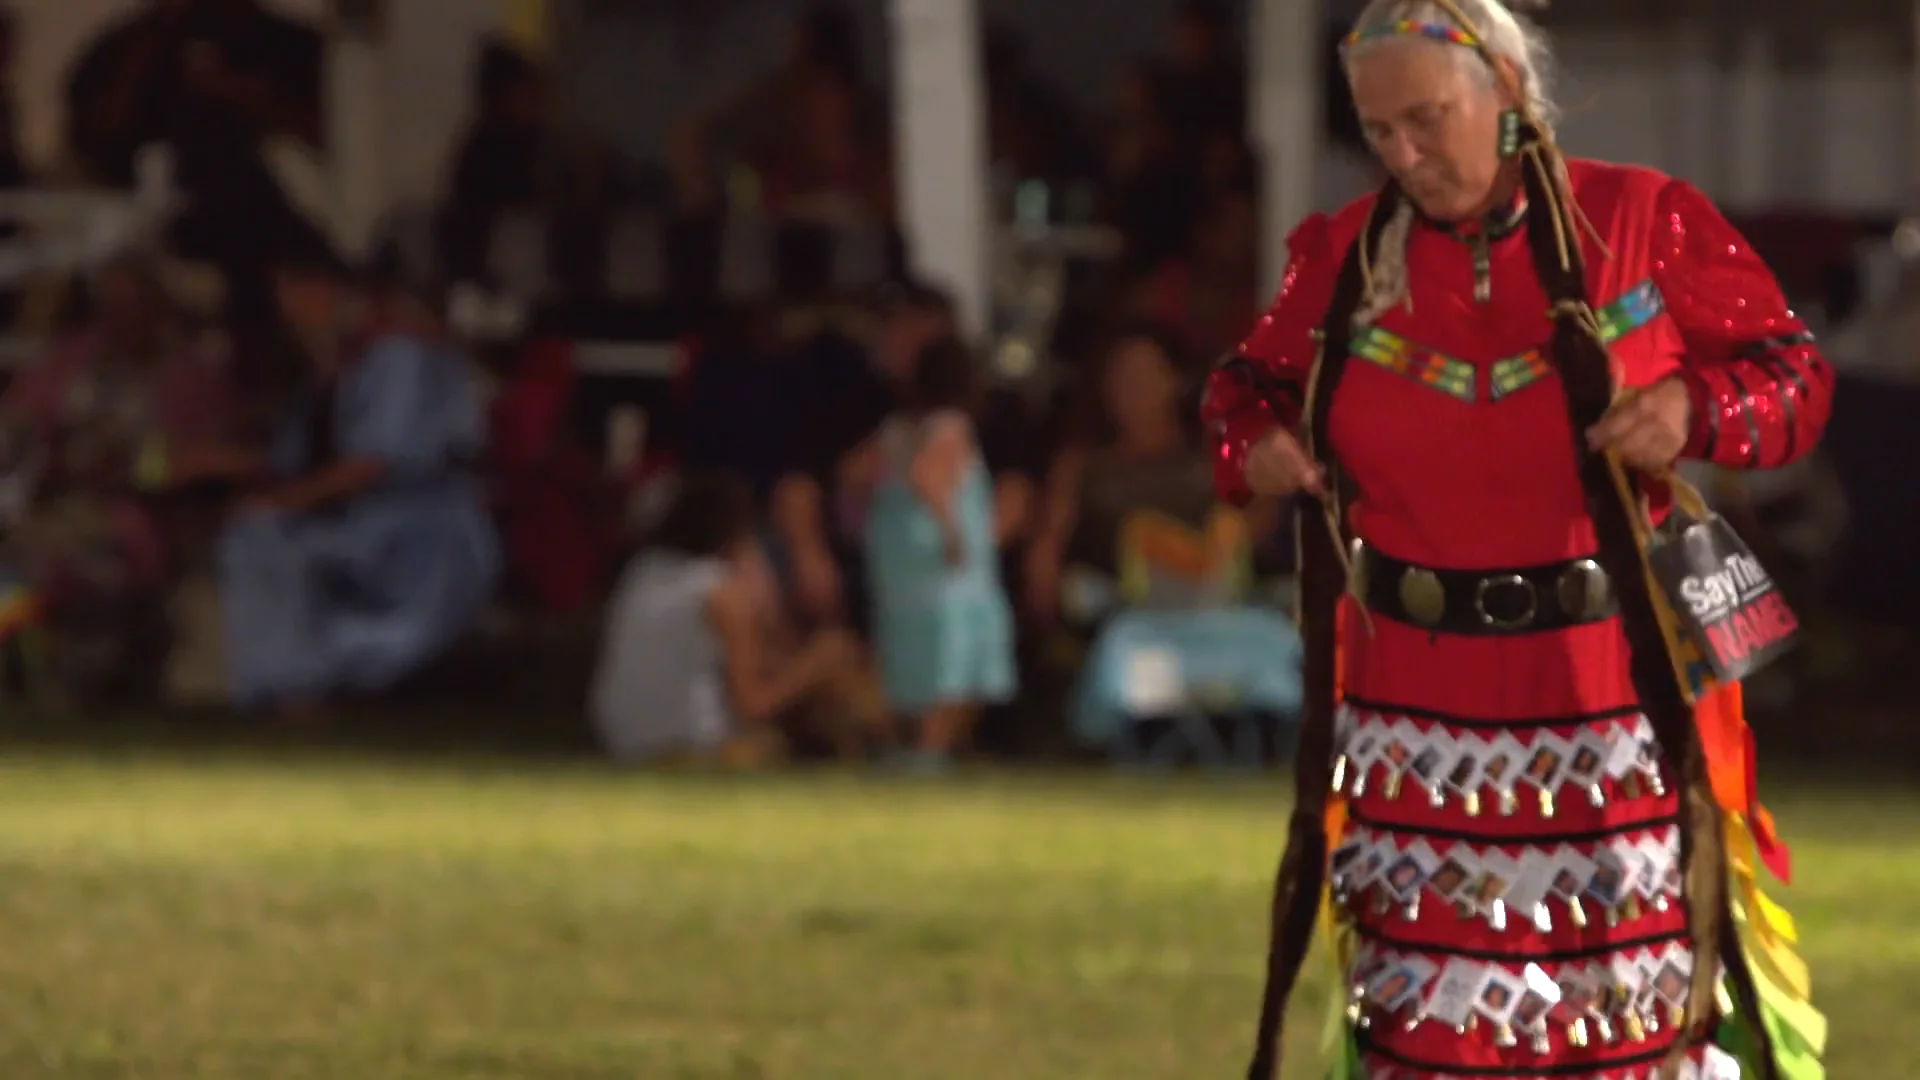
pixel 1471 804
pixel 1576 913
pixel 1577 1034
pixel 1541 1043
pixel 1597 797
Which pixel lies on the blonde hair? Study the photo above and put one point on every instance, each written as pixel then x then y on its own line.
pixel 1501 33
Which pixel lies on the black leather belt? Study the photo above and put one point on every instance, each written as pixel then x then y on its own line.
pixel 1525 600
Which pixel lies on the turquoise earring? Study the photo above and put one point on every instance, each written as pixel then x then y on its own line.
pixel 1509 132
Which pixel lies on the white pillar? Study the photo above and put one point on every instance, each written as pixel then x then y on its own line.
pixel 355 104
pixel 1752 120
pixel 1695 149
pixel 1285 114
pixel 940 158
pixel 1913 143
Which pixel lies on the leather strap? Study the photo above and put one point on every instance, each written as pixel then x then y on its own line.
pixel 1323 581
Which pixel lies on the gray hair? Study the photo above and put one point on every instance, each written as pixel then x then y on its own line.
pixel 1502 33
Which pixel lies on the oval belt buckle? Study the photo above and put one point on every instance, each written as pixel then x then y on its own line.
pixel 1422 596
pixel 1583 591
pixel 1511 581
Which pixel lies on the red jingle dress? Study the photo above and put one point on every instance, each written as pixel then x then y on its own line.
pixel 1510 848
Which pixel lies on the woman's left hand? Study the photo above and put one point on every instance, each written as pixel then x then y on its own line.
pixel 212 461
pixel 1648 428
pixel 261 502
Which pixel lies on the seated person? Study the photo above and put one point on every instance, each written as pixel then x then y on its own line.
pixel 1139 456
pixel 691 664
pixel 366 549
pixel 105 435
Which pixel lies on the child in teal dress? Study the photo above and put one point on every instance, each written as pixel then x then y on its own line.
pixel 942 626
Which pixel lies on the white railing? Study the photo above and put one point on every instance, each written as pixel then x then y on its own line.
pixel 616 359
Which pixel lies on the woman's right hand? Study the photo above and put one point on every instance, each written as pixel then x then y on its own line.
pixel 1278 465
pixel 1043 582
pixel 816 581
pixel 832 652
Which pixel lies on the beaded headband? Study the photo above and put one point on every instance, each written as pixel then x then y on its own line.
pixel 1449 35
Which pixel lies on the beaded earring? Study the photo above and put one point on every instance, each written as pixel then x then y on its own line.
pixel 1509 132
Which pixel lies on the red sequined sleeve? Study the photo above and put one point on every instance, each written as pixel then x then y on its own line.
pixel 1263 382
pixel 1761 390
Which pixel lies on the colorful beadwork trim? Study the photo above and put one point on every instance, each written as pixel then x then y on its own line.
pixel 1452 377
pixel 1516 373
pixel 1451 35
pixel 1630 311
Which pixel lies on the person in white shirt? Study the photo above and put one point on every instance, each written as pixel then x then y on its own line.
pixel 688 666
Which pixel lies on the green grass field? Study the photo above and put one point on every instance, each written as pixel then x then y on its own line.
pixel 246 918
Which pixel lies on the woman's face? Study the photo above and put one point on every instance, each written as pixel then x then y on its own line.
pixel 307 301
pixel 1433 118
pixel 1142 388
pixel 131 310
pixel 524 104
pixel 823 118
pixel 1135 98
pixel 1228 237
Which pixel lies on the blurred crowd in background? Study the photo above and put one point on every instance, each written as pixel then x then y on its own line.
pixel 690 419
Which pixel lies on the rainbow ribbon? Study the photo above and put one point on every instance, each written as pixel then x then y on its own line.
pixel 1783 986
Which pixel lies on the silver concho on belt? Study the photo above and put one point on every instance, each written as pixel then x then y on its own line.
pixel 1582 592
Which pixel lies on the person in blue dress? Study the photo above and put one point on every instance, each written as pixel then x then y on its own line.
pixel 368 549
pixel 942 626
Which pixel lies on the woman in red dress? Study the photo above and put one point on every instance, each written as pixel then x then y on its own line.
pixel 1514 795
